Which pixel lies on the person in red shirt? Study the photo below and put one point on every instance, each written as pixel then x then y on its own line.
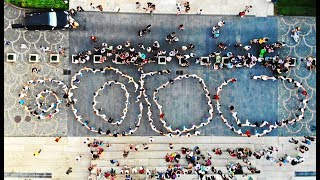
pixel 107 174
pixel 304 92
pixel 248 133
pixel 233 80
pixel 242 13
pixel 216 97
pixel 161 116
pixel 94 38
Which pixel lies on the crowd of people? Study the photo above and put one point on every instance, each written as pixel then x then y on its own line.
pixel 199 162
pixel 127 54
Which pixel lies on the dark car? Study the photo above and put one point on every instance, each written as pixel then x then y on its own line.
pixel 44 20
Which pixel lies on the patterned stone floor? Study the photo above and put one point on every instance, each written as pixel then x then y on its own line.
pixel 287 95
pixel 281 102
pixel 17 74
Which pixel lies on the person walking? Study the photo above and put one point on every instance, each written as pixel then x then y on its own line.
pixel 69 171
pixel 125 154
pixel 57 139
pixel 138 5
pixel 37 152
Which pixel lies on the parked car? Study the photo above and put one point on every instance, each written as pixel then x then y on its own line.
pixel 45 20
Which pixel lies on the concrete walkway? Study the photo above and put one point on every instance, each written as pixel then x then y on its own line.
pixel 261 8
pixel 57 157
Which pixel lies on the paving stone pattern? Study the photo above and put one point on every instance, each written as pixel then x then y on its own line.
pixel 184 101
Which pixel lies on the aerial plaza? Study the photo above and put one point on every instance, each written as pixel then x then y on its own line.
pixel 159 90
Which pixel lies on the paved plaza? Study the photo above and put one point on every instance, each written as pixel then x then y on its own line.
pixel 184 102
pixel 272 100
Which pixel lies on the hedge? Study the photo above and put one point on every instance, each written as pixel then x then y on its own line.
pixel 41 4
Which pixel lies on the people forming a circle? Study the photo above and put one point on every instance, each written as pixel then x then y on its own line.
pixel 45 107
pixel 257 124
pixel 97 111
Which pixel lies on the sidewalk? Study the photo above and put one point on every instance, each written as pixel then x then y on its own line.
pixel 261 8
pixel 57 157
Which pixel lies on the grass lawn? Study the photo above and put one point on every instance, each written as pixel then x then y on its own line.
pixel 296 7
pixel 40 4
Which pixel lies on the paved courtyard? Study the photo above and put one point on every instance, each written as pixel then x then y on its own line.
pixel 183 102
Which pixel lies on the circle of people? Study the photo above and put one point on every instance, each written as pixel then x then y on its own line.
pixel 177 131
pixel 104 116
pixel 89 125
pixel 40 108
pixel 271 127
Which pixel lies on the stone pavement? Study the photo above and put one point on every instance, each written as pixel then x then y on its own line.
pixel 260 8
pixel 115 28
pixel 17 74
pixel 56 158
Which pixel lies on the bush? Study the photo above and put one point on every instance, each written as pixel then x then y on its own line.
pixel 40 4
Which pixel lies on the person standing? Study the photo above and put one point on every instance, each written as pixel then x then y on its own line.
pixel 58 139
pixel 199 12
pixel 170 145
pixel 78 158
pixel 138 5
pixel 187 6
pixel 93 38
pixel 181 27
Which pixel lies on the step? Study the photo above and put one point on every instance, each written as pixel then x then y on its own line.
pixel 158 155
pixel 161 162
pixel 179 140
pixel 163 169
pixel 177 147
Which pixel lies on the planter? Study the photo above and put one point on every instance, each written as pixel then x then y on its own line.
pixel 73 59
pixel 292 62
pixel 11 57
pixel 54 58
pixel 162 60
pixel 33 58
pixel 96 59
pixel 203 60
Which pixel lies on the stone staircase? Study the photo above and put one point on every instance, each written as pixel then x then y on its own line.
pixel 56 158
pixel 153 158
